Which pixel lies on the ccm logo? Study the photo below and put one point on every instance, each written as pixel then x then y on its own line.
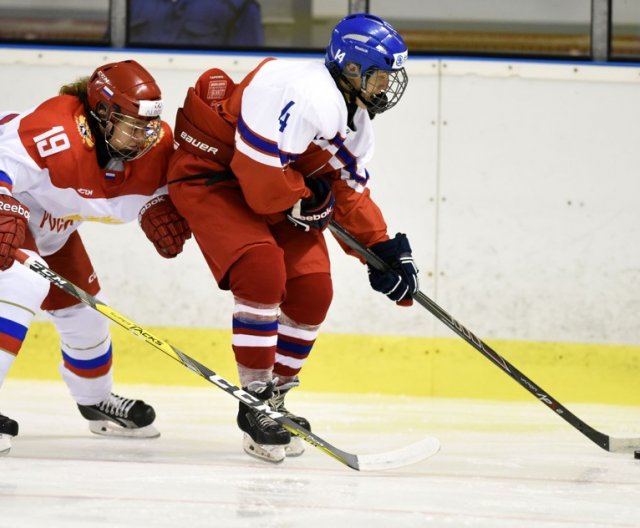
pixel 198 144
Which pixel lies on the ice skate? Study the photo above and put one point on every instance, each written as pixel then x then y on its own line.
pixel 118 416
pixel 8 429
pixel 296 446
pixel 264 438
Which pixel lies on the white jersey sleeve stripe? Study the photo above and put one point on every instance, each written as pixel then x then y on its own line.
pixel 261 144
pixel 256 155
pixel 264 148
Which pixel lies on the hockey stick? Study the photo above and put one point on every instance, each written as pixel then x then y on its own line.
pixel 623 445
pixel 369 462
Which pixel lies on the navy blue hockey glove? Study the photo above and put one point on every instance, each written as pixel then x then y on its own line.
pixel 399 283
pixel 316 211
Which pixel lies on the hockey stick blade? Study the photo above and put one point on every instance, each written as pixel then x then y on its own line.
pixel 367 462
pixel 614 445
pixel 398 458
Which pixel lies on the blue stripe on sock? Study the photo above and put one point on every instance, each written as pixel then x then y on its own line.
pixel 88 364
pixel 294 348
pixel 268 326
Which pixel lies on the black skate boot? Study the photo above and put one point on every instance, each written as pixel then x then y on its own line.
pixel 118 416
pixel 264 438
pixel 296 446
pixel 8 429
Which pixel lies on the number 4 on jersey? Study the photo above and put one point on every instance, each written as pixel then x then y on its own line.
pixel 284 116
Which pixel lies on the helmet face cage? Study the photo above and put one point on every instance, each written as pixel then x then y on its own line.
pixel 128 138
pixel 365 45
pixel 383 89
pixel 126 101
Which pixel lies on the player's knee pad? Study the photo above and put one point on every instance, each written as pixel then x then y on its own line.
pixel 308 298
pixel 21 293
pixel 86 351
pixel 22 286
pixel 259 275
pixel 80 326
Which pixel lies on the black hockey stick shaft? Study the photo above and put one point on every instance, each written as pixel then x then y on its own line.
pixel 601 439
pixel 35 265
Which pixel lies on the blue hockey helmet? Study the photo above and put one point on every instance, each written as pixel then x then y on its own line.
pixel 363 45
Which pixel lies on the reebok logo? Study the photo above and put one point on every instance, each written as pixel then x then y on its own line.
pixel 148 205
pixel 320 216
pixel 14 208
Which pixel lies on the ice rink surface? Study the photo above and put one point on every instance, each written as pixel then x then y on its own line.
pixel 501 465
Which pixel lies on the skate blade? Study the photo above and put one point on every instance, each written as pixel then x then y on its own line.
pixel 269 453
pixel 107 428
pixel 5 444
pixel 295 448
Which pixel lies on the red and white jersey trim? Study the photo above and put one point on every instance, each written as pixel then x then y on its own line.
pixel 48 162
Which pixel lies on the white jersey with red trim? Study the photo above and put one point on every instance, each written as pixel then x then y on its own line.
pixel 293 118
pixel 48 162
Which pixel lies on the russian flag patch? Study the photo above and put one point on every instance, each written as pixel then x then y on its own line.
pixel 5 180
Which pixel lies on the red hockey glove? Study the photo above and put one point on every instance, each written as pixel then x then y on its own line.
pixel 164 226
pixel 14 219
pixel 316 211
pixel 400 283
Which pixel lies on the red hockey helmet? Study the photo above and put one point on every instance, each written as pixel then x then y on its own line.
pixel 124 96
pixel 125 87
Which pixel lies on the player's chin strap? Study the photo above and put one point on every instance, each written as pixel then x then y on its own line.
pixel 623 445
pixel 350 94
pixel 353 96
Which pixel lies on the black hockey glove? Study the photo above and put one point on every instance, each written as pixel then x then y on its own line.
pixel 316 211
pixel 399 283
